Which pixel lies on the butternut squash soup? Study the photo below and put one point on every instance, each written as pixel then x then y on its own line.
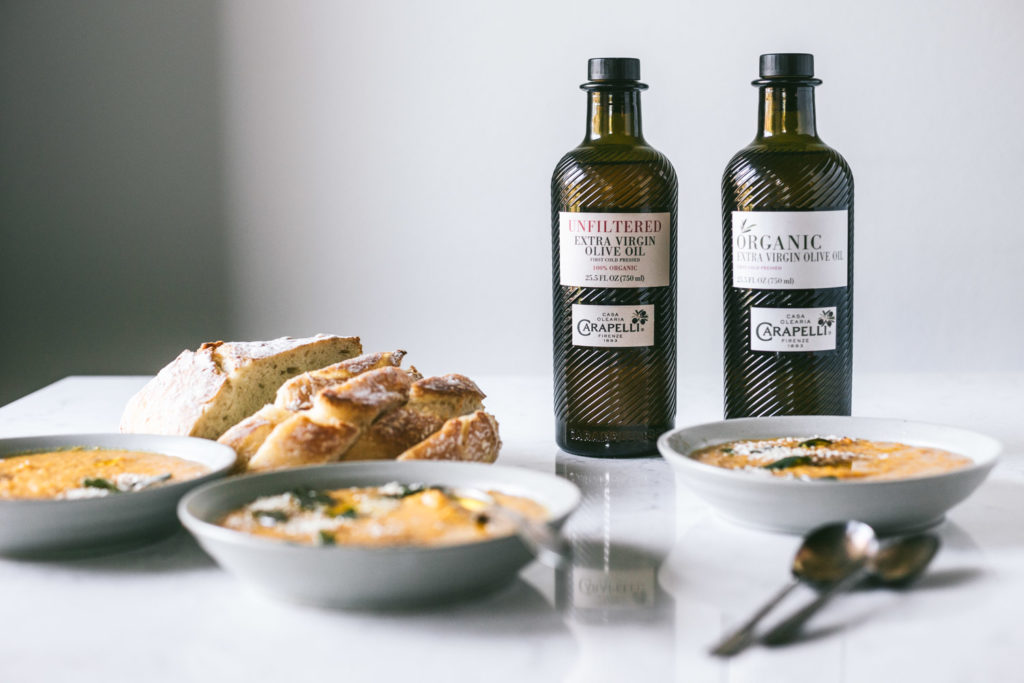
pixel 389 515
pixel 74 473
pixel 830 458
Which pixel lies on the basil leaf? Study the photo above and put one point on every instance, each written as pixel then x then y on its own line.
pixel 269 517
pixel 326 538
pixel 100 483
pixel 814 443
pixel 310 499
pixel 791 461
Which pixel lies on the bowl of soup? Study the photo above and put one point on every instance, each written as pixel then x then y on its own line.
pixel 371 535
pixel 791 474
pixel 83 493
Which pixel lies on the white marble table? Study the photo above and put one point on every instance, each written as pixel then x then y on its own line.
pixel 658 578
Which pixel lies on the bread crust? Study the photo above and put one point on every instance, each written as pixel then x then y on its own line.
pixel 298 392
pixel 472 438
pixel 432 402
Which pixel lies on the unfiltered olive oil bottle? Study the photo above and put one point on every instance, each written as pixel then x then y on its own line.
pixel 787 229
pixel 613 237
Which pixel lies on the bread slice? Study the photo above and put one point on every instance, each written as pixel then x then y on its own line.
pixel 323 432
pixel 298 392
pixel 472 438
pixel 247 436
pixel 203 393
pixel 432 402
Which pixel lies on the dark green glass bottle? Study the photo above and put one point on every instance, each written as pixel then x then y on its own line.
pixel 787 229
pixel 613 232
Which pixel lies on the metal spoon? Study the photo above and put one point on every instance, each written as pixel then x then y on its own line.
pixel 545 542
pixel 827 556
pixel 898 562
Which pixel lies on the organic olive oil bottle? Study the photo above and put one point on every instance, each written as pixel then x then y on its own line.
pixel 787 234
pixel 613 237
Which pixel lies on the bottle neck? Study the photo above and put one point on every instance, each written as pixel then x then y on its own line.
pixel 613 115
pixel 785 110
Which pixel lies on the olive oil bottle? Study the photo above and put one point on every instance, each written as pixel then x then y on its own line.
pixel 787 234
pixel 613 237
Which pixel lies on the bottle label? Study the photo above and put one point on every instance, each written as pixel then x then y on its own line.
pixel 789 249
pixel 793 329
pixel 612 326
pixel 614 249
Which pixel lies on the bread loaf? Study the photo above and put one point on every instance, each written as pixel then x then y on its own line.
pixel 204 392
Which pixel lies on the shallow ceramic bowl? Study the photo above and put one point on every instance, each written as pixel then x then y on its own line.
pixel 56 527
pixel 795 506
pixel 370 577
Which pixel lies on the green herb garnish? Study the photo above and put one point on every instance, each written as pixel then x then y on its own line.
pixel 791 461
pixel 405 490
pixel 269 517
pixel 326 538
pixel 814 443
pixel 310 499
pixel 100 483
pixel 347 513
pixel 727 450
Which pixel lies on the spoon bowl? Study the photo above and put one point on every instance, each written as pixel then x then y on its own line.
pixel 901 561
pixel 833 551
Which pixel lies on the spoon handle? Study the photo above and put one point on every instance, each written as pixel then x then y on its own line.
pixel 738 640
pixel 787 629
pixel 548 545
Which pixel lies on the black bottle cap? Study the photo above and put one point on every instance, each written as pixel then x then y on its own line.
pixel 613 69
pixel 787 65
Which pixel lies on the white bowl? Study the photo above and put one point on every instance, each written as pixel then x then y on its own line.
pixel 370 577
pixel 796 506
pixel 55 527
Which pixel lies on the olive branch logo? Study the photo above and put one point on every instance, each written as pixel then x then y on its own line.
pixel 639 317
pixel 746 227
pixel 827 318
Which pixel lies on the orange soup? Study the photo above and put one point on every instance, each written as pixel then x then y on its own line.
pixel 830 458
pixel 74 473
pixel 389 515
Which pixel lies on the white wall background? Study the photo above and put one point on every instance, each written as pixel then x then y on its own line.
pixel 256 168
pixel 389 164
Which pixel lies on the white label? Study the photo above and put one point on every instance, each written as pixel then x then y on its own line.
pixel 618 326
pixel 613 588
pixel 614 249
pixel 789 249
pixel 793 329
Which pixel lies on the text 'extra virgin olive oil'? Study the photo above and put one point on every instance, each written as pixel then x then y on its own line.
pixel 787 233
pixel 613 240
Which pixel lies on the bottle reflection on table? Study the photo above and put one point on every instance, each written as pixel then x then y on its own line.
pixel 610 597
pixel 614 575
